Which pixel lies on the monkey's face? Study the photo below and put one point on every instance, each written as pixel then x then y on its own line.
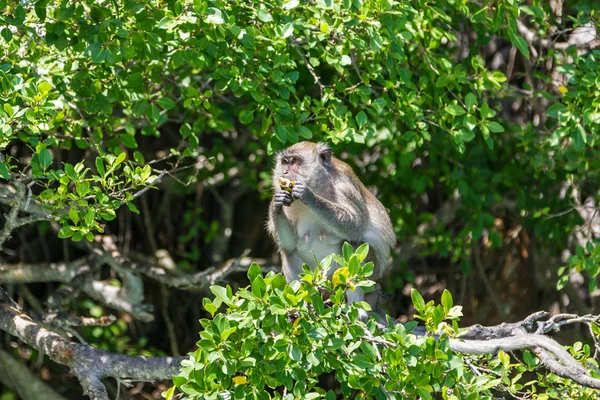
pixel 305 161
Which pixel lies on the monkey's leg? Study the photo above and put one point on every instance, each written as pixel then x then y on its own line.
pixel 357 295
pixel 286 236
pixel 291 265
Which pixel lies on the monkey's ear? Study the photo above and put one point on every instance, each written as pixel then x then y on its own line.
pixel 324 153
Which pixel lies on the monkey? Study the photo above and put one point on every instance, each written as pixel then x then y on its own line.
pixel 326 206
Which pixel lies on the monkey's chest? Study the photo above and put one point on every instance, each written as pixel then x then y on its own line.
pixel 313 237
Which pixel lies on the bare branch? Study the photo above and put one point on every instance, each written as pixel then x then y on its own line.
pixel 88 363
pixel 583 37
pixel 199 281
pixel 515 336
pixel 77 271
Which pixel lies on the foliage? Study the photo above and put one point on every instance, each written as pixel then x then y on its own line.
pixel 109 77
pixel 278 340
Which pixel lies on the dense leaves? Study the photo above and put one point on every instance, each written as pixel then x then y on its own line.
pixel 279 340
pixel 402 76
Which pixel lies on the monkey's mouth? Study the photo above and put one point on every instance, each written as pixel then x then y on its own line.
pixel 286 184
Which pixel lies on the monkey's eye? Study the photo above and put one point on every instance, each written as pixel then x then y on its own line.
pixel 284 161
pixel 293 161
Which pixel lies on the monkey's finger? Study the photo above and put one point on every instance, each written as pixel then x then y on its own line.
pixel 284 199
pixel 283 195
pixel 297 193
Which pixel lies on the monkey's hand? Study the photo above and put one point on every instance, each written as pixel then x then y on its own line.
pixel 302 192
pixel 282 198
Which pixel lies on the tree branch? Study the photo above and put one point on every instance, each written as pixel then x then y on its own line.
pixel 77 272
pixel 89 364
pixel 515 336
pixel 583 37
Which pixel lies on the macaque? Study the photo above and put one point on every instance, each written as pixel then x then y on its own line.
pixel 319 203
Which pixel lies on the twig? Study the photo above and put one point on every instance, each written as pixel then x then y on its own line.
pixel 10 220
pixel 310 67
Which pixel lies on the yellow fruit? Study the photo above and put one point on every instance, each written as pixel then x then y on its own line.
pixel 286 184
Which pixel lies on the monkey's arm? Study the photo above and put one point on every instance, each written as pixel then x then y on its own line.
pixel 279 225
pixel 344 218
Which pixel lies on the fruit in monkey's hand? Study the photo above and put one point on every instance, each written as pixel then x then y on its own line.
pixel 286 184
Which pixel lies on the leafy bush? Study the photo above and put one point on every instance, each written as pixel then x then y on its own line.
pixel 283 341
pixel 277 338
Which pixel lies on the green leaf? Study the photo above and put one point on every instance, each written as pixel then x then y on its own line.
pixel 65 232
pixel 555 110
pixel 45 158
pixel 353 265
pixel 376 43
pixel 246 116
pixel 221 293
pixel 347 251
pixel 291 4
pixel 100 166
pixel 264 15
pixel 579 138
pixel 470 101
pixel 304 132
pixel 169 393
pixel 120 158
pixel 8 109
pixel 139 107
pixel 254 271
pixel 470 122
pixel 74 215
pixel 132 207
pixel 82 188
pixel 369 350
pixel 318 304
pixel 44 87
pixel 128 141
pixel 447 300
pixel 166 103
pixel 214 16
pixel 6 34
pixel 494 126
pixel 417 300
pixel 295 353
pixel 362 119
pixel 209 306
pixel 486 112
pixel 498 76
pixel 71 173
pixel 287 30
pixel 362 251
pixel 259 288
pixel 4 170
pixel 281 133
pixel 522 46
pixel 455 109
